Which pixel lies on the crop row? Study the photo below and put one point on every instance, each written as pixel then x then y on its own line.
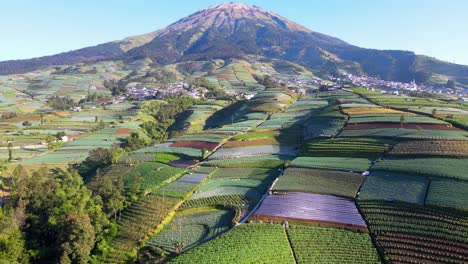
pixel 330 245
pixel 319 181
pixel 424 235
pixel 248 243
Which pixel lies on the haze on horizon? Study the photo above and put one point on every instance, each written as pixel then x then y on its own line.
pixel 426 27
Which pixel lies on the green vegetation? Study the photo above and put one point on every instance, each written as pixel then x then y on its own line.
pixel 153 175
pixel 332 163
pixel 448 193
pixel 253 243
pixel 136 222
pixel 266 161
pixel 319 181
pixel 402 231
pixel 346 147
pixel 406 133
pixel 393 186
pixel 233 200
pixel 443 167
pixel 330 245
pixel 188 230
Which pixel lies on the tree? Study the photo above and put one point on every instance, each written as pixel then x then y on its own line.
pixel 402 120
pixel 97 158
pixel 77 238
pixel 101 125
pixel 27 123
pixel 42 118
pixel 434 111
pixel 10 151
pixel 61 216
pixel 12 242
pixel 450 84
pixel 111 192
pixel 135 141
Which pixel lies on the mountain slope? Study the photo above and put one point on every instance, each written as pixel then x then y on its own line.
pixel 233 30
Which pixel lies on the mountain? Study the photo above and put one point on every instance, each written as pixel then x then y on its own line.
pixel 234 30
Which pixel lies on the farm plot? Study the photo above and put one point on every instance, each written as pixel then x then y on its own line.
pixel 338 183
pixel 248 243
pixel 393 186
pixel 401 126
pixel 230 153
pixel 406 133
pixel 448 193
pixel 78 150
pixel 188 230
pixel 416 234
pixel 247 173
pixel 345 147
pixel 153 175
pixel 137 221
pixel 431 148
pixel 314 208
pixel 326 127
pixel 195 145
pixel 264 161
pixel 180 187
pixel 371 111
pixel 182 151
pixel 230 201
pixel 442 167
pixel 330 245
pixel 394 118
pixel 333 163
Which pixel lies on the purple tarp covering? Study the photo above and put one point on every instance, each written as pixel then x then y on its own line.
pixel 311 207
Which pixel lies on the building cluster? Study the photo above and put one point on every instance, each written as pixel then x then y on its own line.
pixel 174 89
pixel 301 82
pixel 397 88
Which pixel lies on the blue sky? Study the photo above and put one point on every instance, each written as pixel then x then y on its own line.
pixel 31 28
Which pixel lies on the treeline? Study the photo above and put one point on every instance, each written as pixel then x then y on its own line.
pixel 54 218
pixel 61 103
pixel 164 114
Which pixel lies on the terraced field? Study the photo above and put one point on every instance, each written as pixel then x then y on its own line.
pixel 415 234
pixel 448 193
pixel 393 186
pixel 346 147
pixel 253 243
pixel 319 181
pixel 431 148
pixel 188 230
pixel 443 167
pixel 330 245
pixel 333 163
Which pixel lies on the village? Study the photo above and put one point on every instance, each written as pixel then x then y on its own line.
pixel 398 88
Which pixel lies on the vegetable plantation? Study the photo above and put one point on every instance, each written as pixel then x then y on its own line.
pixel 330 245
pixel 253 243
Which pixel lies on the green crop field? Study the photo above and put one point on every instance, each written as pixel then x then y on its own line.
pixel 253 243
pixel 188 230
pixel 332 163
pixel 330 245
pixel 393 186
pixel 319 181
pixel 416 234
pixel 347 147
pixel 448 193
pixel 442 167
pixel 397 133
pixel 137 221
pixel 153 174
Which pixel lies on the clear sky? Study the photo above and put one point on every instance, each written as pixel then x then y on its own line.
pixel 439 28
